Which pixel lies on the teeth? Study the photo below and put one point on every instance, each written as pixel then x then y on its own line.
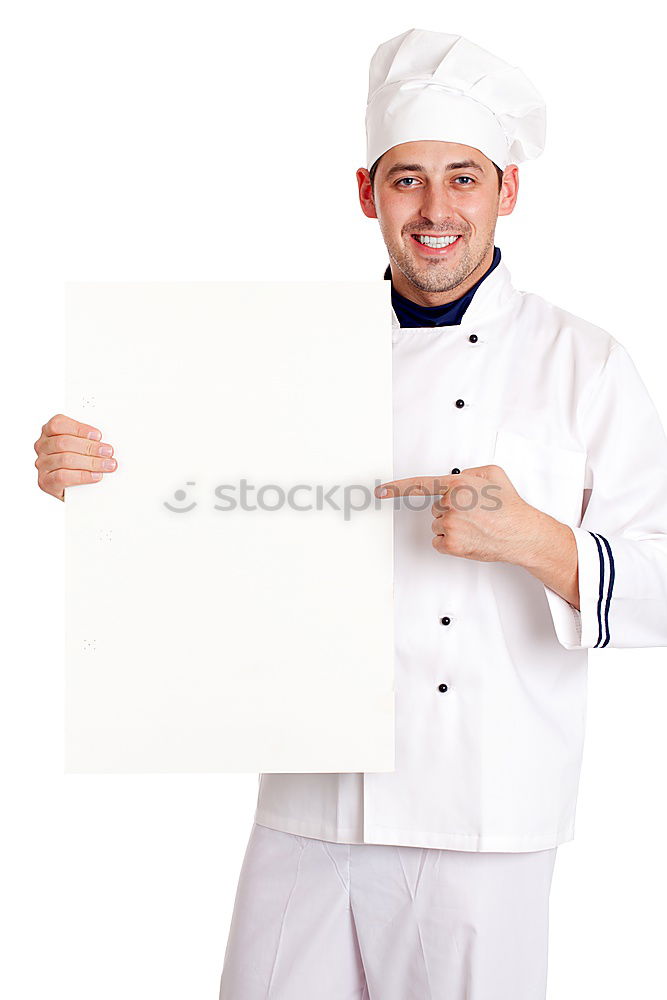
pixel 436 241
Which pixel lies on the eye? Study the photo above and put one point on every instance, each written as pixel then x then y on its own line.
pixel 400 182
pixel 465 177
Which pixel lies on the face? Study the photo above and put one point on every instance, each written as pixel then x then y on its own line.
pixel 437 189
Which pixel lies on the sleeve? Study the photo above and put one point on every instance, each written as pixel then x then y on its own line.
pixel 622 537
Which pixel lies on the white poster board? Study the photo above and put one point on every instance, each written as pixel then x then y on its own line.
pixel 203 634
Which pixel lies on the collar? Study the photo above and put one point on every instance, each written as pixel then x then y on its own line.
pixel 493 295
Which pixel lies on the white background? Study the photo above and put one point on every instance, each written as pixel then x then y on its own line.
pixel 178 141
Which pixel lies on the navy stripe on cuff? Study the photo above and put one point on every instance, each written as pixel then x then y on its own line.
pixel 604 590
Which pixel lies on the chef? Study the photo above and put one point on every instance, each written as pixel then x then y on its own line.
pixel 530 496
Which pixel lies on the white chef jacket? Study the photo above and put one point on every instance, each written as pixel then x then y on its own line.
pixel 492 763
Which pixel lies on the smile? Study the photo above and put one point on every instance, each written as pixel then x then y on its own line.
pixel 438 245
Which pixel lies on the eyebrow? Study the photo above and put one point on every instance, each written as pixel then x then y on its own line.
pixel 400 168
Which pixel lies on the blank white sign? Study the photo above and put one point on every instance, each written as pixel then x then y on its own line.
pixel 229 586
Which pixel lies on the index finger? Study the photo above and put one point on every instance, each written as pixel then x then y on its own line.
pixel 428 486
pixel 60 424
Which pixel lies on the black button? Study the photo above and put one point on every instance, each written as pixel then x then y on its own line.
pixel 456 472
pixel 460 403
pixel 442 687
pixel 473 338
pixel 445 620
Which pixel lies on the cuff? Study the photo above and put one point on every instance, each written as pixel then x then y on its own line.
pixel 587 627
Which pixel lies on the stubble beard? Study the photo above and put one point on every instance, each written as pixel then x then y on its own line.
pixel 436 275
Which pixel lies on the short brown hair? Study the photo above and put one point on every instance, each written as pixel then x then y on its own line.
pixel 373 170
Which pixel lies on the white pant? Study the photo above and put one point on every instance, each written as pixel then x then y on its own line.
pixel 316 920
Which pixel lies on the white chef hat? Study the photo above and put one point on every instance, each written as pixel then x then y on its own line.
pixel 429 85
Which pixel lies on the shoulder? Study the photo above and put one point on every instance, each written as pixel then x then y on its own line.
pixel 588 344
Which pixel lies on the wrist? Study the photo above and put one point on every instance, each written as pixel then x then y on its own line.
pixel 540 541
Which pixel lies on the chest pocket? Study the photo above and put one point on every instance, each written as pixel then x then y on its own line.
pixel 546 476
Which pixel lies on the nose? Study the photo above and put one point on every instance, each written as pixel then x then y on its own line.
pixel 437 205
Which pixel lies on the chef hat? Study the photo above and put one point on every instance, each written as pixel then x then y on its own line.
pixel 429 85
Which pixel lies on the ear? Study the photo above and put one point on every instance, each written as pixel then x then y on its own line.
pixel 509 191
pixel 366 193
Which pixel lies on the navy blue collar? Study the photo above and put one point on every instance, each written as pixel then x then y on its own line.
pixel 410 313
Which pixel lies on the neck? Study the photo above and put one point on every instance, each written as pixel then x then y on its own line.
pixel 410 291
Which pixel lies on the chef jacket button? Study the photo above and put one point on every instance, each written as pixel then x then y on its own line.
pixel 445 620
pixel 460 403
pixel 473 338
pixel 456 472
pixel 442 687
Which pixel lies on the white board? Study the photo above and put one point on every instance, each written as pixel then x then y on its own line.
pixel 203 635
